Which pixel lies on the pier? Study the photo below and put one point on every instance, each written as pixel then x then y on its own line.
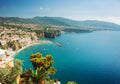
pixel 58 44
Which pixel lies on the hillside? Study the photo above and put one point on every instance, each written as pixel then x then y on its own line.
pixel 63 22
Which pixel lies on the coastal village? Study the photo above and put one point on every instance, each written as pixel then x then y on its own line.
pixel 13 39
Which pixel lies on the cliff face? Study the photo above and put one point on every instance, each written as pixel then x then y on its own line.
pixel 15 45
pixel 78 30
pixel 52 34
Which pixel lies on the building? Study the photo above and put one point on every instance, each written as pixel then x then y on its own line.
pixel 6 58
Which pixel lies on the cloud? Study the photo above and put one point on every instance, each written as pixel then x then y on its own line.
pixel 41 8
pixel 112 19
pixel 44 9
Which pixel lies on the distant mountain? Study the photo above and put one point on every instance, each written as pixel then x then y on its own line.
pixel 64 22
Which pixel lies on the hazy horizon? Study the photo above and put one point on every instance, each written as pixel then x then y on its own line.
pixel 102 10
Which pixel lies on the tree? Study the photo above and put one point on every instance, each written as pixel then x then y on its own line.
pixel 43 68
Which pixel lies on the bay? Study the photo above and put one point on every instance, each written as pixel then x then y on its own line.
pixel 87 58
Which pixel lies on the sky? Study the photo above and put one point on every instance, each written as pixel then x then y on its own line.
pixel 105 10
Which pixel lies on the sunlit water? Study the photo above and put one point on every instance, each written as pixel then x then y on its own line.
pixel 87 58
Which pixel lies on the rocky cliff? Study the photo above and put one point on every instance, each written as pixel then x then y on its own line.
pixel 52 34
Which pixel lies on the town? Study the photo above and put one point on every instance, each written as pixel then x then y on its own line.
pixel 14 37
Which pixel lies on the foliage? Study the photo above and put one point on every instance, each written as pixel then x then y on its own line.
pixel 8 75
pixel 71 82
pixel 43 68
pixel 44 63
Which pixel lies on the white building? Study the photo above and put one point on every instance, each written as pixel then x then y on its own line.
pixel 6 58
pixel 3 42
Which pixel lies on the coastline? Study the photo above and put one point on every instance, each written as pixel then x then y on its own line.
pixel 34 43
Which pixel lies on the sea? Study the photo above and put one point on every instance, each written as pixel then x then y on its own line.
pixel 86 58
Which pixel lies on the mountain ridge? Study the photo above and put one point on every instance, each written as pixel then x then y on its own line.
pixel 59 21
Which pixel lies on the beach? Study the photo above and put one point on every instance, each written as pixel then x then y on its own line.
pixel 34 43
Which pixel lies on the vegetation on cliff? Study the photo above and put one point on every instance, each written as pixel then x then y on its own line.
pixel 43 69
pixel 8 75
pixel 43 66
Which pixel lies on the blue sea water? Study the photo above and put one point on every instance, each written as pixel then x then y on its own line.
pixel 87 58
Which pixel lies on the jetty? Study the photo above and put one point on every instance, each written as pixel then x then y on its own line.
pixel 58 44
